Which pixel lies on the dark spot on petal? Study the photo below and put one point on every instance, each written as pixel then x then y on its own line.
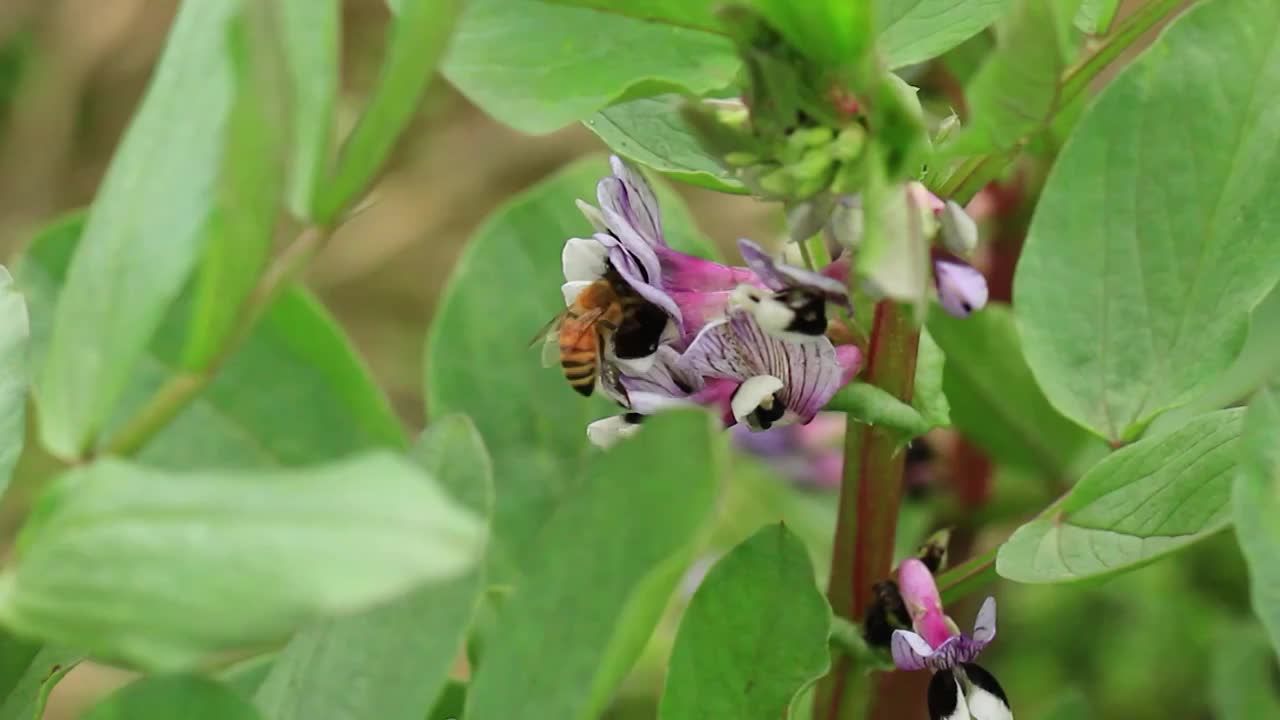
pixel 984 680
pixel 809 308
pixel 944 696
pixel 964 305
pixel 633 418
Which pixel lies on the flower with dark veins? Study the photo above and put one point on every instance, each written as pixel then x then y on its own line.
pixel 793 303
pixel 960 689
pixel 779 381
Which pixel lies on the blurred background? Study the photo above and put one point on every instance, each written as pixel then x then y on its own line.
pixel 1171 641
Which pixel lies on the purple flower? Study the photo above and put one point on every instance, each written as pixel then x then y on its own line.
pixel 780 381
pixel 747 341
pixel 959 689
pixel 962 290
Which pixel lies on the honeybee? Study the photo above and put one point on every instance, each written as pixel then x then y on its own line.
pixel 608 313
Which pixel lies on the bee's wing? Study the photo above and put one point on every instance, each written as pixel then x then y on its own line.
pixel 548 335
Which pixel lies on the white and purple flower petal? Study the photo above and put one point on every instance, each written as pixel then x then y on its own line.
pixel 779 276
pixel 946 698
pixel 738 349
pixel 962 290
pixel 583 259
pixel 607 432
pixel 628 197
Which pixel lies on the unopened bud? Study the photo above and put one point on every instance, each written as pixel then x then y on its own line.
pixel 741 159
pixel 959 231
pixel 849 143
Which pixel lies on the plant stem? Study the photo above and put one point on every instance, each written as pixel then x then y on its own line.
pixel 968 576
pixel 181 389
pixel 869 500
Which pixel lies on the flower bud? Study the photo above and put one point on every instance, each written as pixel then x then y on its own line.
pixel 959 231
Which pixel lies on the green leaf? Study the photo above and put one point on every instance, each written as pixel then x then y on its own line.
pixel 144 232
pixel 1257 505
pixel 173 696
pixel 249 188
pixel 158 568
pixel 598 575
pixel 418 36
pixel 754 635
pixel 391 662
pixel 651 131
pixel 247 417
pixel 1016 90
pixel 44 668
pixel 1142 263
pixel 14 329
pixel 1142 502
pixel 1242 684
pixel 696 14
pixel 538 67
pixel 1095 16
pixel 912 31
pixel 311 33
pixel 928 397
pixel 833 32
pixel 478 364
pixel 995 400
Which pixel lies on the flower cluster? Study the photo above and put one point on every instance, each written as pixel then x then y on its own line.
pixel 748 341
pixel 960 689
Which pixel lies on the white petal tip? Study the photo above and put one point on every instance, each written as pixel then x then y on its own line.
pixel 755 404
pixel 573 289
pixel 583 259
pixel 607 432
pixel 636 366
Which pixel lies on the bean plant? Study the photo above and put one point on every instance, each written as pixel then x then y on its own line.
pixel 1014 313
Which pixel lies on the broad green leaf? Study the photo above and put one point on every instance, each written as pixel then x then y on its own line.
pixel 249 188
pixel 832 32
pixel 1155 234
pixel 598 575
pixel 754 635
pixel 1094 16
pixel 417 38
pixel 1016 90
pixel 311 34
pixel 14 329
pixel 913 31
pixel 144 232
pixel 1257 507
pixel 167 697
pixel 538 67
pixel 1070 705
pixel 450 704
pixel 391 662
pixel 697 14
pixel 651 131
pixel 995 400
pixel 1242 675
pixel 478 364
pixel 250 415
pixel 43 668
pixel 1143 501
pixel 928 396
pixel 158 567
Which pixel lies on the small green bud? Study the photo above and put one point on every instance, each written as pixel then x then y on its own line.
pixel 741 159
pixel 815 163
pixel 812 137
pixel 778 182
pixel 849 143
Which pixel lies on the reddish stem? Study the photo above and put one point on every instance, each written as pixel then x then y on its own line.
pixel 869 497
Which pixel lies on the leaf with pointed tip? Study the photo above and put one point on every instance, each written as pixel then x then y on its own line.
pixel 1154 237
pixel 538 67
pixel 417 38
pixel 1142 502
pixel 144 232
pixel 928 396
pixel 14 330
pixel 913 31
pixel 296 356
pixel 44 667
pixel 651 131
pixel 311 33
pixel 1242 670
pixel 173 696
pixel 1095 16
pixel 754 635
pixel 390 662
pixel 1257 507
pixel 158 568
pixel 599 574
